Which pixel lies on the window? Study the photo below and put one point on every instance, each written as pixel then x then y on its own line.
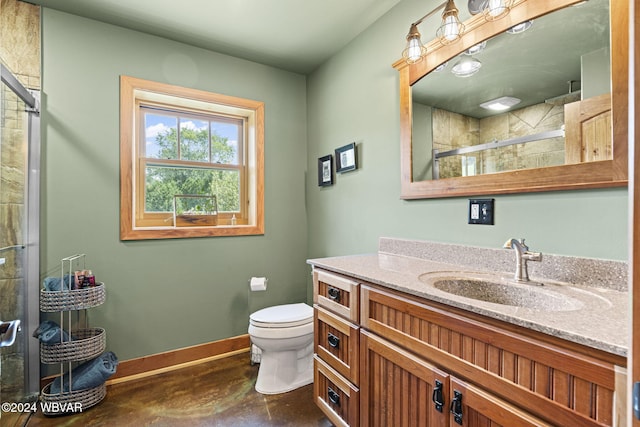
pixel 177 142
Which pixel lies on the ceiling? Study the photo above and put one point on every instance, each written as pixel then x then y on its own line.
pixel 299 36
pixel 293 35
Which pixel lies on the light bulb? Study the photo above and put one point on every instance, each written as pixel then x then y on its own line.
pixel 414 49
pixel 451 31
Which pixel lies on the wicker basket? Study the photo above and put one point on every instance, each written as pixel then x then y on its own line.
pixel 75 299
pixel 68 401
pixel 87 344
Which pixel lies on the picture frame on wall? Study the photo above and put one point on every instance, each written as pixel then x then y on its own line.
pixel 325 171
pixel 346 159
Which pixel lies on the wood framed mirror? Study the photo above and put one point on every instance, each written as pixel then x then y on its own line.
pixel 573 172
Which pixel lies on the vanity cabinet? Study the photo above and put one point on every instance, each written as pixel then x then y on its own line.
pixel 402 389
pixel 336 347
pixel 408 361
pixel 493 364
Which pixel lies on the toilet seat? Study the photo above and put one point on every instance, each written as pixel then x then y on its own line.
pixel 282 316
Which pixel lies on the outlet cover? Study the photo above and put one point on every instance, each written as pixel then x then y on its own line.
pixel 481 211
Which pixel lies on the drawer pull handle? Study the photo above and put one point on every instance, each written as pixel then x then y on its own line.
pixel 333 340
pixel 333 396
pixel 437 396
pixel 456 407
pixel 334 294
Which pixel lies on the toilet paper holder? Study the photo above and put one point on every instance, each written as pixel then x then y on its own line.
pixel 258 284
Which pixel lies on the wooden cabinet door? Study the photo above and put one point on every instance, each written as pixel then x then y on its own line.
pixel 565 386
pixel 473 407
pixel 399 389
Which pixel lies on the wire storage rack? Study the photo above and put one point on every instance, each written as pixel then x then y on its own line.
pixel 78 342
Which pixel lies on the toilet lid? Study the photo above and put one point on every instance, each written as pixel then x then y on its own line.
pixel 282 316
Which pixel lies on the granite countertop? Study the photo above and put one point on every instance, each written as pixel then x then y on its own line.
pixel 598 319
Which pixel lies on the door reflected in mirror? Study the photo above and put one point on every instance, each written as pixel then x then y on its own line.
pixel 541 98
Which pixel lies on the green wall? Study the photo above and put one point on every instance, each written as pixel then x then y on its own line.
pixel 162 294
pixel 169 294
pixel 354 97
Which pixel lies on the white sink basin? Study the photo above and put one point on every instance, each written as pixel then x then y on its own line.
pixel 503 290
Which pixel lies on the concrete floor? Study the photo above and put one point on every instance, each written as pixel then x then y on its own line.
pixel 216 393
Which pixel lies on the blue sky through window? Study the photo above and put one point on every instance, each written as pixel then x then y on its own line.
pixel 157 124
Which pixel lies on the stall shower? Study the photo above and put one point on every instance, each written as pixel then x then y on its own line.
pixel 19 240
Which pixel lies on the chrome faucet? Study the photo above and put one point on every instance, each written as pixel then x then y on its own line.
pixel 522 256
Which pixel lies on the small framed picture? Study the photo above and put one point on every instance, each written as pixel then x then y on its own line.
pixel 325 170
pixel 346 158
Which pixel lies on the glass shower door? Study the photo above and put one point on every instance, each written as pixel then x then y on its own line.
pixel 19 243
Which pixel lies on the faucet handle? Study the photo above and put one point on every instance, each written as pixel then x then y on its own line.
pixel 518 242
pixel 532 256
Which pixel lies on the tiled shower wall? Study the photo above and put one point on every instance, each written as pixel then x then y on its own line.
pixel 452 130
pixel 20 53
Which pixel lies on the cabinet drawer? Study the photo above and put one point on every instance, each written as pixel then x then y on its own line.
pixel 336 293
pixel 335 396
pixel 336 342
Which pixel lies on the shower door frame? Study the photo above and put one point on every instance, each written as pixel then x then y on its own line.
pixel 32 238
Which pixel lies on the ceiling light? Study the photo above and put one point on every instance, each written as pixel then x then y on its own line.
pixel 520 28
pixel 440 67
pixel 500 104
pixel 476 49
pixel 496 9
pixel 466 66
pixel 476 6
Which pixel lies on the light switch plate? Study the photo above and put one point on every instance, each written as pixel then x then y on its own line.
pixel 481 211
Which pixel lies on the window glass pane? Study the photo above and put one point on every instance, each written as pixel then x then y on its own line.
pixel 226 185
pixel 160 136
pixel 224 141
pixel 194 139
pixel 162 183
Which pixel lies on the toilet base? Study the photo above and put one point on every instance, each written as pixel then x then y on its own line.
pixel 284 371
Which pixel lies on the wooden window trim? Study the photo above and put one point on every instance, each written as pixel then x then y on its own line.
pixel 252 221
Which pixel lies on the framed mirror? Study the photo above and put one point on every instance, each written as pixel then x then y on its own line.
pixel 568 129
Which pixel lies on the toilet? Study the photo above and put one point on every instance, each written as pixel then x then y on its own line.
pixel 284 334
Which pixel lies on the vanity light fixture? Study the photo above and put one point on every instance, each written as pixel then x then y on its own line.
pixel 415 50
pixel 450 30
pixel 520 28
pixel 496 9
pixel 500 104
pixel 466 66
